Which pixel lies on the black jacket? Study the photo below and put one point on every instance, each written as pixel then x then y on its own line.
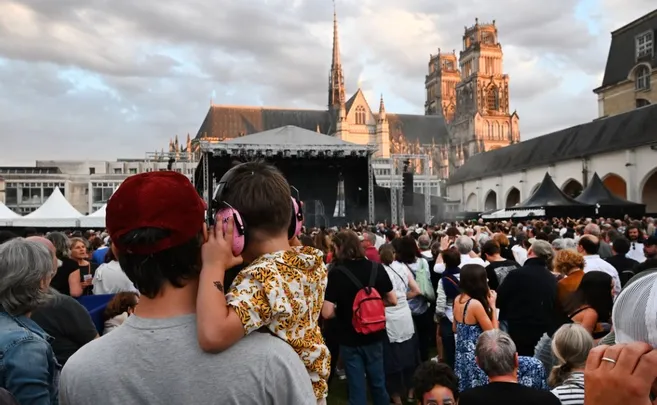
pixel 528 295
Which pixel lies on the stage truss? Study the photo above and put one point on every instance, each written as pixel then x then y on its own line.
pixel 396 186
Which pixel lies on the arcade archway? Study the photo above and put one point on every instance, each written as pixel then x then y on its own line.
pixel 616 185
pixel 572 188
pixel 471 203
pixel 649 192
pixel 490 203
pixel 512 198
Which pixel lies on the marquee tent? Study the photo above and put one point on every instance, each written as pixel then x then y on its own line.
pixel 56 212
pixel 555 203
pixel 607 203
pixel 7 216
pixel 95 219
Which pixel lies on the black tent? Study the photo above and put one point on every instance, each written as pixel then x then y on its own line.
pixel 555 203
pixel 607 203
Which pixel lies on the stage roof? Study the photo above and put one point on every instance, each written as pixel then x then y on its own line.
pixel 288 139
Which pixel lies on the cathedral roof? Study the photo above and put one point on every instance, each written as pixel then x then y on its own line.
pixel 226 122
pixel 425 129
pixel 628 130
pixel 622 51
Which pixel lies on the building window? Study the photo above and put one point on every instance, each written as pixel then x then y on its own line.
pixel 644 45
pixel 642 102
pixel 132 170
pixel 92 170
pixel 642 81
pixel 360 115
pixel 117 170
pixel 492 99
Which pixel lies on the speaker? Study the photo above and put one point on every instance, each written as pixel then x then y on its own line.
pixel 407 182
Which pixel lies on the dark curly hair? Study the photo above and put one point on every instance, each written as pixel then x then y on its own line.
pixel 429 374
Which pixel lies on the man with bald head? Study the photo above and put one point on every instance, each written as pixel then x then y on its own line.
pixel 63 318
pixel 594 230
pixel 588 246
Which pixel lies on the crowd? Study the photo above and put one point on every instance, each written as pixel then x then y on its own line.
pixel 257 309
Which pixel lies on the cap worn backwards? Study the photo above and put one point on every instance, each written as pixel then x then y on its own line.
pixel 164 200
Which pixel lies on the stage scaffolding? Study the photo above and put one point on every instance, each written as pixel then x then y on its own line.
pixel 396 186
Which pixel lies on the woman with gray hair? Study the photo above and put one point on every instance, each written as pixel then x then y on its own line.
pixel 571 345
pixel 67 281
pixel 30 371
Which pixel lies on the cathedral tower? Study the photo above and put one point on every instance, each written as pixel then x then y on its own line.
pixel 482 121
pixel 441 84
pixel 336 77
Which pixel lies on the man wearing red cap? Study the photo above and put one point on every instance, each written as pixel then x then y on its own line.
pixel 156 221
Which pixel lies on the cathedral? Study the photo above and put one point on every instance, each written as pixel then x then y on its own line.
pixel 466 111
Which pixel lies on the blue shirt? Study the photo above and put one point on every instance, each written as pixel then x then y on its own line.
pixel 98 256
pixel 28 368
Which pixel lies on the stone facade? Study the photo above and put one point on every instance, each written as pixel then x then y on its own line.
pixel 475 98
pixel 626 96
pixel 630 79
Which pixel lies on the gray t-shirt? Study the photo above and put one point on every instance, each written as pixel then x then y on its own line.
pixel 159 361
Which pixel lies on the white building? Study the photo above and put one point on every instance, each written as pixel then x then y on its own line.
pixel 622 149
pixel 87 185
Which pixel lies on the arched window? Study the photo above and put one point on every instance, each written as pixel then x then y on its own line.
pixel 642 78
pixel 489 134
pixel 492 99
pixel 496 131
pixel 505 131
pixel 642 102
pixel 360 115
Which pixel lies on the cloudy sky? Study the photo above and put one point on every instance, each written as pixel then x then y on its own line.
pixel 100 79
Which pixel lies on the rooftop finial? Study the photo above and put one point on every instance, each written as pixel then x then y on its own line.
pixel 476 20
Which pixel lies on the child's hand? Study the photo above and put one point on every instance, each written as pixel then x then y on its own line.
pixel 218 250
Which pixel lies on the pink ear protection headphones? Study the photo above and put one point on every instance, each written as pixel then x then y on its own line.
pixel 225 211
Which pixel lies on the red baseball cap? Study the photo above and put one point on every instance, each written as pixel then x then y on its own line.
pixel 165 200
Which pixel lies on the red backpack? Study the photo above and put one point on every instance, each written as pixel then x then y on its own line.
pixel 369 313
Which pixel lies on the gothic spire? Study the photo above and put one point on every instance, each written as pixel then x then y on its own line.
pixel 336 77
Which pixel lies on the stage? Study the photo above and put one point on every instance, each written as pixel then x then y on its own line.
pixel 313 163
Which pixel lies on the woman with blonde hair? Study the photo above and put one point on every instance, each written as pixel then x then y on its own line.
pixel 570 264
pixel 571 345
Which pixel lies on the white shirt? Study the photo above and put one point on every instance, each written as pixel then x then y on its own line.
pixel 110 279
pixel 636 252
pixel 595 263
pixel 520 254
pixel 399 320
pixel 380 241
pixel 465 259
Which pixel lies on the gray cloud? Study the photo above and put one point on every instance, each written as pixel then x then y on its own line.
pixel 98 79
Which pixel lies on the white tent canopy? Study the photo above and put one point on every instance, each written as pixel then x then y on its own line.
pixel 95 219
pixel 7 216
pixel 55 212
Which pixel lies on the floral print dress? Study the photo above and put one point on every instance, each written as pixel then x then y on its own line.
pixel 530 370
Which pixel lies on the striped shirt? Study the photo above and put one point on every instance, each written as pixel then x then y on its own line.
pixel 571 392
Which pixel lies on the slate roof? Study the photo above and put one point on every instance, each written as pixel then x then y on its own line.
pixel 226 122
pixel 622 51
pixel 627 130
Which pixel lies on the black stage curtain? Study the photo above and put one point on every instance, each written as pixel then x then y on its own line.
pixel 317 179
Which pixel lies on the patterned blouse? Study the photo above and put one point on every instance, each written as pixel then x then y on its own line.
pixel 284 291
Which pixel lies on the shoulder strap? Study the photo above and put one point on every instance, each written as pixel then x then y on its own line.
pixel 465 309
pixel 397 274
pixel 449 278
pixel 375 269
pixel 349 275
